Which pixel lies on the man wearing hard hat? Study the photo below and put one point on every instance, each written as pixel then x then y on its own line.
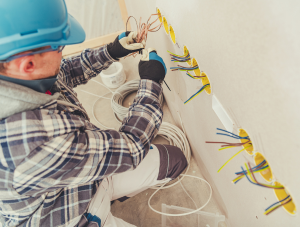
pixel 56 167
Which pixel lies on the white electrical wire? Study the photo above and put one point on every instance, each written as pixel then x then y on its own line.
pixel 100 97
pixel 93 111
pixel 188 194
pixel 183 214
pixel 97 95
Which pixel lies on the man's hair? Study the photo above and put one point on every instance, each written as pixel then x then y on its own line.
pixel 2 68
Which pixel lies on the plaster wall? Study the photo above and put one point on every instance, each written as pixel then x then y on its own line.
pixel 250 52
pixel 97 17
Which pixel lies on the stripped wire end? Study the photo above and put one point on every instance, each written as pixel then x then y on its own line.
pixel 143 29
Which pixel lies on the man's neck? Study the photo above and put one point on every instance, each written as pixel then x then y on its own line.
pixel 42 85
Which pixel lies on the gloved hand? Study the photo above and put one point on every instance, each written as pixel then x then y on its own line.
pixel 151 66
pixel 125 44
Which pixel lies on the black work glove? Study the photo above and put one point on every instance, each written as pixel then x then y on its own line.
pixel 152 66
pixel 124 44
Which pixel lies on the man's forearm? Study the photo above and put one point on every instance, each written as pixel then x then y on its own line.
pixel 144 117
pixel 80 69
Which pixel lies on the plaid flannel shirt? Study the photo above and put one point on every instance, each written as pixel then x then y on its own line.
pixel 53 159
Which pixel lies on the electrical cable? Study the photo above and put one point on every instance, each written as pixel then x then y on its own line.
pixel 96 95
pixel 277 202
pixel 254 178
pixel 242 176
pixel 143 29
pixel 188 194
pixel 197 93
pixel 258 168
pixel 225 144
pixel 178 58
pixel 182 68
pixel 183 214
pixel 254 181
pixel 93 112
pixel 271 208
pixel 260 165
pixel 232 158
pixel 194 77
pixel 231 145
pixel 274 208
pixel 100 97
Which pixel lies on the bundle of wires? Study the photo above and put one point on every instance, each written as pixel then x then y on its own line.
pixel 230 145
pixel 197 93
pixel 143 29
pixel 251 178
pixel 278 204
pixel 180 58
pixel 182 68
pixel 250 171
pixel 258 168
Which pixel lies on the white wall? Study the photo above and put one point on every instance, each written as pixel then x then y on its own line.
pixel 250 51
pixel 97 17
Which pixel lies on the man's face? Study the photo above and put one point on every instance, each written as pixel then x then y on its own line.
pixel 49 64
pixel 35 67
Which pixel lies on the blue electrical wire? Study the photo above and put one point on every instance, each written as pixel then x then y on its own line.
pixel 264 167
pixel 181 58
pixel 255 167
pixel 245 173
pixel 238 137
pixel 201 89
pixel 237 181
pixel 277 202
pixel 189 75
pixel 184 68
pixel 235 137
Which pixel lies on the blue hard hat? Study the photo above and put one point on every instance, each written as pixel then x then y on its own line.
pixel 30 24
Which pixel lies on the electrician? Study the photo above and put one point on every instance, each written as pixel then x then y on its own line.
pixel 57 168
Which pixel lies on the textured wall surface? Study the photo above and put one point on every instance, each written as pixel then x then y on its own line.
pixel 97 17
pixel 250 52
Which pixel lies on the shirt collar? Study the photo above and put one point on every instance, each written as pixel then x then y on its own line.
pixel 42 85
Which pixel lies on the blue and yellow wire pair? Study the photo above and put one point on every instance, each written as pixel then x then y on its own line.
pixel 197 93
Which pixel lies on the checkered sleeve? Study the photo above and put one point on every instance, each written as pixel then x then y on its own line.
pixel 80 69
pixel 75 152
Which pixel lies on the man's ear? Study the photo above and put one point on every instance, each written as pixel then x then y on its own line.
pixel 27 64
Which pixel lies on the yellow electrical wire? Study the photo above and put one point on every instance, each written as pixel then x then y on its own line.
pixel 240 177
pixel 233 157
